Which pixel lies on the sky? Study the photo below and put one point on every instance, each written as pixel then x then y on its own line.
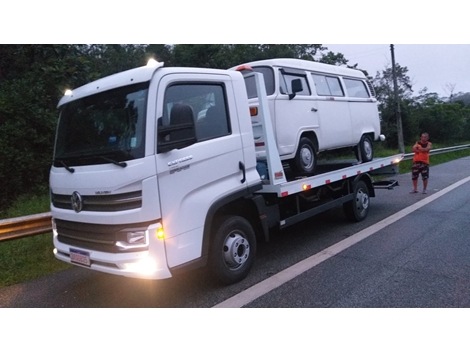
pixel 435 66
pixel 441 60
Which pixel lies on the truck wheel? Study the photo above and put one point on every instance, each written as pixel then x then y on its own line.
pixel 358 208
pixel 233 250
pixel 365 149
pixel 306 158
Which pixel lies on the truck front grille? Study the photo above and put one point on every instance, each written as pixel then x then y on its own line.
pixel 104 203
pixel 97 237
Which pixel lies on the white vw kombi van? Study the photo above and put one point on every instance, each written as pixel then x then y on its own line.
pixel 315 107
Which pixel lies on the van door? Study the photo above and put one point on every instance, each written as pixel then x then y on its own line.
pixel 192 178
pixel 295 115
pixel 333 112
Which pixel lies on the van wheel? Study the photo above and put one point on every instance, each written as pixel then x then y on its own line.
pixel 305 160
pixel 365 149
pixel 233 250
pixel 358 208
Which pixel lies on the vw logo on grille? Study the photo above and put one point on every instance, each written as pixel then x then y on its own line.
pixel 77 203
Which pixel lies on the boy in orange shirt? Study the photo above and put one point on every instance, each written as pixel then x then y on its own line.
pixel 421 162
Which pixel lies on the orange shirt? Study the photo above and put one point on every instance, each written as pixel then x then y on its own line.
pixel 421 156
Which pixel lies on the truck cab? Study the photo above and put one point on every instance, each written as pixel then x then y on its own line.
pixel 142 161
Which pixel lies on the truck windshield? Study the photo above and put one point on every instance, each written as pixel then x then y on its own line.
pixel 102 128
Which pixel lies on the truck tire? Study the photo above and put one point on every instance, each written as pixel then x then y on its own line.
pixel 358 208
pixel 305 159
pixel 233 250
pixel 365 149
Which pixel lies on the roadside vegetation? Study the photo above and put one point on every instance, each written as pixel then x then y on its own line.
pixel 405 165
pixel 31 257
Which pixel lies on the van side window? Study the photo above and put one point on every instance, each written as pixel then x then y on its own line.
pixel 208 105
pixel 356 88
pixel 285 83
pixel 327 85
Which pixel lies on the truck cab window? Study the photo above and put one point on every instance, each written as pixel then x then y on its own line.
pixel 207 103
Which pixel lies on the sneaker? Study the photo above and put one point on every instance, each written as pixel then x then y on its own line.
pixel 424 192
pixel 414 191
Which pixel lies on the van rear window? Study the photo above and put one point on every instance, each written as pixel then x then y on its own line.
pixel 356 88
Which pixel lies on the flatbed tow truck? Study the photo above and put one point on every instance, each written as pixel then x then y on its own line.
pixel 187 198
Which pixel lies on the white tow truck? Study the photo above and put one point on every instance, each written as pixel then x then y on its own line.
pixel 155 172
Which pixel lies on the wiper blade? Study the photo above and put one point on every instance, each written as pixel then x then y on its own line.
pixel 68 168
pixel 118 163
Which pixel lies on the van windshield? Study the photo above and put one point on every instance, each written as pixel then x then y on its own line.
pixel 268 75
pixel 102 128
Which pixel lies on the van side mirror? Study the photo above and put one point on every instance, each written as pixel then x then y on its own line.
pixel 296 86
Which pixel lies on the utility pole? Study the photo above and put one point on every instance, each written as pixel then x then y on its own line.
pixel 401 143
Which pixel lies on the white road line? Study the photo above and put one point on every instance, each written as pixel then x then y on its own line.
pixel 263 287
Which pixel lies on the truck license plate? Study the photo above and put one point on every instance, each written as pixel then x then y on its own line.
pixel 80 257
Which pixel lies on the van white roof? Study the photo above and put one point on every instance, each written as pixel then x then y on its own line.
pixel 307 65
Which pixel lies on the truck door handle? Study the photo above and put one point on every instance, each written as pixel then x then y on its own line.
pixel 241 166
pixel 314 110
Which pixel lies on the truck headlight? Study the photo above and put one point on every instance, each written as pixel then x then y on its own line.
pixel 145 266
pixel 133 240
pixel 137 237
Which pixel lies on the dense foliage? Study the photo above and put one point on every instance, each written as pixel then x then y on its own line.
pixel 34 77
pixel 446 120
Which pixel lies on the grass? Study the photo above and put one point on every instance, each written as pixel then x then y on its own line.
pixel 29 258
pixel 27 205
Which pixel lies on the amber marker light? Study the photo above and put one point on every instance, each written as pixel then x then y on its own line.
pixel 244 68
pixel 160 233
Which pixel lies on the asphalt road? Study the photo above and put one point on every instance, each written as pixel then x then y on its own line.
pixel 421 259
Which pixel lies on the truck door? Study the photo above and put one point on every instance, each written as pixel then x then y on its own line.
pixel 192 178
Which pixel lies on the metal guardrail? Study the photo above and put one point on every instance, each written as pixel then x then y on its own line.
pixel 31 225
pixel 409 156
pixel 25 226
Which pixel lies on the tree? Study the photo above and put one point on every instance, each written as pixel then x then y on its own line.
pixel 228 55
pixel 32 81
pixel 384 88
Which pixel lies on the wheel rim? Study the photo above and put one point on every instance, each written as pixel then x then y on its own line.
pixel 236 250
pixel 367 147
pixel 306 157
pixel 362 201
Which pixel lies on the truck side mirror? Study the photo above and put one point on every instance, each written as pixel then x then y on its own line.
pixel 181 131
